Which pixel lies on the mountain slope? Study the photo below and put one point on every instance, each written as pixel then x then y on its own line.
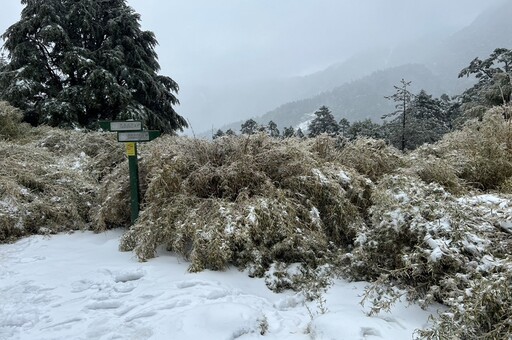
pixel 360 99
pixel 432 64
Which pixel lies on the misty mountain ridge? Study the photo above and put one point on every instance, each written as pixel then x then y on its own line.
pixel 355 88
pixel 356 100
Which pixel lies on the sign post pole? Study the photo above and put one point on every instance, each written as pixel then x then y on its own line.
pixel 129 133
pixel 131 152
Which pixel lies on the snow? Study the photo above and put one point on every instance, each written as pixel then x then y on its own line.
pixel 320 176
pixel 79 286
pixel 252 215
pixel 304 126
pixel 345 179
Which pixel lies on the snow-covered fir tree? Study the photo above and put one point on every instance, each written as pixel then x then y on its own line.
pixel 218 134
pixel 365 128
pixel 272 129
pixel 288 132
pixel 324 122
pixel 344 126
pixel 249 127
pixel 74 62
pixel 230 132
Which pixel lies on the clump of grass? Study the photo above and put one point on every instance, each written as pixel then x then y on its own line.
pixel 49 177
pixel 11 127
pixel 102 150
pixel 506 186
pixel 113 195
pixel 483 314
pixel 371 157
pixel 482 151
pixel 41 192
pixel 248 201
pixel 427 164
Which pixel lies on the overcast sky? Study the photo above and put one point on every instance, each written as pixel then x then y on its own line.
pixel 201 40
pixel 222 41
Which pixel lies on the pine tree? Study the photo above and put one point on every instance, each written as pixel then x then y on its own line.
pixel 74 62
pixel 288 132
pixel 452 109
pixel 299 133
pixel 402 98
pixel 324 122
pixel 3 61
pixel 344 126
pixel 365 128
pixel 494 85
pixel 3 65
pixel 428 120
pixel 272 129
pixel 230 132
pixel 249 127
pixel 218 134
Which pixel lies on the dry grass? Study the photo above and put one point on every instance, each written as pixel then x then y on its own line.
pixel 102 150
pixel 10 122
pixel 41 192
pixel 481 153
pixel 371 157
pixel 431 167
pixel 248 201
pixel 49 177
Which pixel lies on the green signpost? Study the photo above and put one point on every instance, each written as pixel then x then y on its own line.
pixel 131 132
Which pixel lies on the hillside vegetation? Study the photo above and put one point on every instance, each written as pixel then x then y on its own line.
pixel 434 224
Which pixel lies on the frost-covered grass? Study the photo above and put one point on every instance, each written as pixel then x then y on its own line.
pixel 434 225
pixel 249 201
pixel 49 177
pixel 40 192
pixel 438 247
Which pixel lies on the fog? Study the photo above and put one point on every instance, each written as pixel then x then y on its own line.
pixel 222 42
pixel 231 40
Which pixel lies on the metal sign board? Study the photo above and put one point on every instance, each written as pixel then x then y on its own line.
pixel 121 125
pixel 139 136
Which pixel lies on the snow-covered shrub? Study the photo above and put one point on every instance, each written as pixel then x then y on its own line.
pixel 370 157
pixel 102 150
pixel 428 165
pixel 408 215
pixel 481 152
pixel 113 196
pixel 481 312
pixel 250 201
pixel 49 177
pixel 438 248
pixel 41 191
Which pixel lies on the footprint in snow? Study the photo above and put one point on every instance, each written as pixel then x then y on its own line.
pixel 109 304
pixel 129 276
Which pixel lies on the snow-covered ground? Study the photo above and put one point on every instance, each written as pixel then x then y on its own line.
pixel 79 286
